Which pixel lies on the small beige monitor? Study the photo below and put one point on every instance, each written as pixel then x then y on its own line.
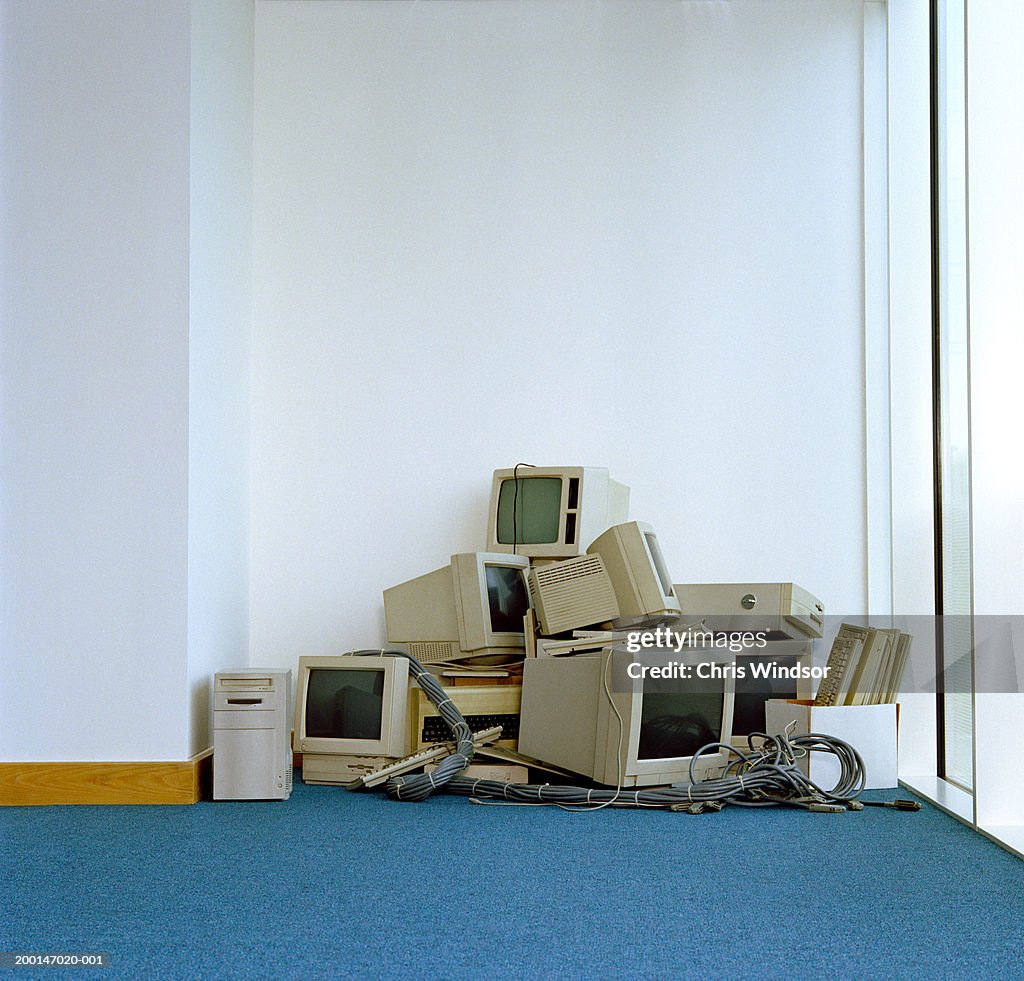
pixel 552 512
pixel 349 706
pixel 639 575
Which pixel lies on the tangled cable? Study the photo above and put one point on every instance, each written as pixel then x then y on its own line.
pixel 419 786
pixel 768 776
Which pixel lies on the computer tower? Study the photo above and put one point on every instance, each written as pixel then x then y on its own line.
pixel 252 756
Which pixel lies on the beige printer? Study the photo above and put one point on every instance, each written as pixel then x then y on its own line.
pixel 783 610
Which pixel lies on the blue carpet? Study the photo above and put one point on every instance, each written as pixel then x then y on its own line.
pixel 337 884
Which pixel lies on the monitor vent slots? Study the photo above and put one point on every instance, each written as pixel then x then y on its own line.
pixel 574 493
pixel 575 593
pixel 570 528
pixel 433 652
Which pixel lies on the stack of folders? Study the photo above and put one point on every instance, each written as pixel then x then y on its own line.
pixel 865 666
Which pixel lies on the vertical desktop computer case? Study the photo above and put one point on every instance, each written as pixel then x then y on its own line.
pixel 252 757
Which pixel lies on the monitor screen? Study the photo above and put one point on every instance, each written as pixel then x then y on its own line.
pixel 530 510
pixel 677 723
pixel 658 558
pixel 344 704
pixel 507 597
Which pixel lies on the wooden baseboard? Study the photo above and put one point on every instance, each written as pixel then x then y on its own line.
pixel 171 782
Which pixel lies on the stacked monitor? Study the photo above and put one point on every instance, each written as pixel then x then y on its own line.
pixel 472 608
pixel 552 512
pixel 639 575
pixel 621 583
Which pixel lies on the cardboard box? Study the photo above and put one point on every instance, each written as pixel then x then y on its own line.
pixel 869 729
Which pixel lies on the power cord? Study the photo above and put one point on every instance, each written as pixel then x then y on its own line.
pixel 515 506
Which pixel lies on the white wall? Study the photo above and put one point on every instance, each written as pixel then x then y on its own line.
pixel 558 232
pixel 996 200
pixel 220 297
pixel 94 379
pixel 552 232
pixel 125 250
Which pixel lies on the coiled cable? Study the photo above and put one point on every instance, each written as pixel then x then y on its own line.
pixel 769 776
pixel 419 786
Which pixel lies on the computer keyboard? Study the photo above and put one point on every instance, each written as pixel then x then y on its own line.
pixel 845 651
pixel 415 760
pixel 436 730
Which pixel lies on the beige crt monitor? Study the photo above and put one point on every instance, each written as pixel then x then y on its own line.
pixel 349 707
pixel 586 714
pixel 783 610
pixel 639 575
pixel 473 607
pixel 552 512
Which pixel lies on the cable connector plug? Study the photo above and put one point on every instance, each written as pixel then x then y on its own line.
pixel 907 805
pixel 697 807
pixel 827 808
pixel 899 805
